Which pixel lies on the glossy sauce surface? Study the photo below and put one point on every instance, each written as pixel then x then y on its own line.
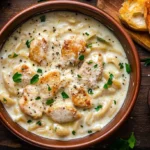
pixel 67 77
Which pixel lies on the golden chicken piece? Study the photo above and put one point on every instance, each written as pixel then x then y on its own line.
pixel 30 103
pixel 38 49
pixel 63 114
pixel 49 84
pixel 71 50
pixel 26 71
pixel 91 70
pixel 132 14
pixel 81 98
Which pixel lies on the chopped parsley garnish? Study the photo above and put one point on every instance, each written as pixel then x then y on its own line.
pixel 39 123
pixel 17 77
pixel 43 18
pixel 81 57
pixel 121 65
pixel 49 89
pixel 146 62
pixel 115 102
pixel 29 121
pixel 109 82
pixel 89 131
pixel 128 68
pixel 87 33
pixel 90 91
pixel 81 126
pixel 14 55
pixel 98 107
pixel 49 102
pixel 79 76
pixel 28 42
pixel 38 98
pixel 4 100
pixel 89 45
pixel 34 79
pixel 64 95
pixel 102 40
pixel 122 144
pixel 95 66
pixel 90 62
pixel 39 70
pixel 103 63
pixel 74 132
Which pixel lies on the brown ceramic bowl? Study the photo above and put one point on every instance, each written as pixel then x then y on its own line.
pixel 131 54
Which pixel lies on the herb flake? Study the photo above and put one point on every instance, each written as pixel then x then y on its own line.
pixel 74 132
pixel 39 123
pixel 79 76
pixel 43 18
pixel 29 121
pixel 96 65
pixel 28 42
pixel 38 98
pixel 87 33
pixel 39 71
pixel 34 79
pixel 121 65
pixel 14 55
pixel 109 82
pixel 49 102
pixel 49 89
pixel 98 107
pixel 89 131
pixel 89 45
pixel 90 91
pixel 90 62
pixel 128 68
pixel 64 95
pixel 81 57
pixel 17 77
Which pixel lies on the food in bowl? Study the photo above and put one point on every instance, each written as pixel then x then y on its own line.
pixel 64 75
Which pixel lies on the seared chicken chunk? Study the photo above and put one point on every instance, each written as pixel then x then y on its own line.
pixel 49 84
pixel 91 70
pixel 30 103
pixel 63 114
pixel 81 98
pixel 38 50
pixel 71 50
pixel 26 71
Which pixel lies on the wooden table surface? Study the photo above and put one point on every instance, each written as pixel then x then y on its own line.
pixel 138 121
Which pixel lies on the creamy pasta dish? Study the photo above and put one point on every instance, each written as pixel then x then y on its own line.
pixel 63 75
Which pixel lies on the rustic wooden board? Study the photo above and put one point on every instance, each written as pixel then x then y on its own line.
pixel 112 7
pixel 138 121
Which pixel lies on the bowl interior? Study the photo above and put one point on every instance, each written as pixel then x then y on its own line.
pixel 128 47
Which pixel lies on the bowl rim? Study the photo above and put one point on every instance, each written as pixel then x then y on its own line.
pixel 137 62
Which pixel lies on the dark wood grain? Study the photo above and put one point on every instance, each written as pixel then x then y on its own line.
pixel 138 121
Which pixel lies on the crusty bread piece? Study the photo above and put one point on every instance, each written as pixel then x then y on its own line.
pixel 147 14
pixel 132 13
